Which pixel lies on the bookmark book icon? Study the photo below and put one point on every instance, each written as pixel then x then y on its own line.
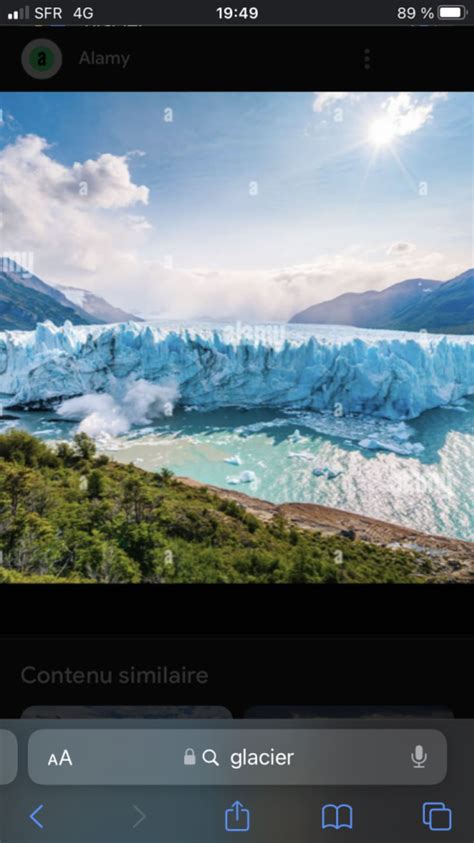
pixel 337 816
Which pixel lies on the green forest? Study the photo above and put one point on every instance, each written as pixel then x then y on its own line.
pixel 71 515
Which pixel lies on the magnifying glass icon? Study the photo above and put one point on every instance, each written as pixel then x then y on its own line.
pixel 209 756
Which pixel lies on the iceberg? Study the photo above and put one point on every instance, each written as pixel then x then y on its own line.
pixel 330 474
pixel 405 450
pixel 296 437
pixel 326 472
pixel 301 455
pixel 243 477
pixel 391 374
pixel 234 460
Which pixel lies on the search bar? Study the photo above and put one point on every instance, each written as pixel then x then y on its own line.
pixel 237 756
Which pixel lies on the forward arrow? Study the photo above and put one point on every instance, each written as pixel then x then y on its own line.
pixel 140 818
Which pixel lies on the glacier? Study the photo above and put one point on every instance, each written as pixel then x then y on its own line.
pixel 391 374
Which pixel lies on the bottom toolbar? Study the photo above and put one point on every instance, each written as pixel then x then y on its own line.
pixel 290 780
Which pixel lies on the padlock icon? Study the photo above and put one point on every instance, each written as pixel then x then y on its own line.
pixel 189 757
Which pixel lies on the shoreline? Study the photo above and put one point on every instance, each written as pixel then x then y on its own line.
pixel 449 556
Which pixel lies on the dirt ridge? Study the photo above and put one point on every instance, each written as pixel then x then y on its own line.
pixel 453 556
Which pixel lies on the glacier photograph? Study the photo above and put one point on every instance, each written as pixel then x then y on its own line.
pixel 236 338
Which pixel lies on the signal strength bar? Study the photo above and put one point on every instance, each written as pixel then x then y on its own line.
pixel 20 14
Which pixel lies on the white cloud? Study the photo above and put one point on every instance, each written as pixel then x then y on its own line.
pixel 70 218
pixel 401 247
pixel 100 243
pixel 402 113
pixel 139 223
pixel 108 182
pixel 326 99
pixel 405 114
pixel 277 294
pixel 25 165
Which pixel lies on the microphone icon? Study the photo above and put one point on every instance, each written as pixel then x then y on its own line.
pixel 419 758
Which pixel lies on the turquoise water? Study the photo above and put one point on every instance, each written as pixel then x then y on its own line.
pixel 429 489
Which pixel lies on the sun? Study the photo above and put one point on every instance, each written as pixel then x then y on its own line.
pixel 382 132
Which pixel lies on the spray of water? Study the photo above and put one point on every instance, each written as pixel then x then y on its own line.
pixel 128 404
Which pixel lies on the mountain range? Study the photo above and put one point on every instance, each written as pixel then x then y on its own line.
pixel 26 300
pixel 96 307
pixel 412 305
pixel 438 307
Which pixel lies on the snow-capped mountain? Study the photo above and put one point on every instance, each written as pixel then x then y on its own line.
pixel 408 306
pixel 25 300
pixel 96 307
pixel 388 374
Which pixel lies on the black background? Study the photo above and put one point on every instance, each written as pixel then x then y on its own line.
pixel 246 671
pixel 271 12
pixel 265 59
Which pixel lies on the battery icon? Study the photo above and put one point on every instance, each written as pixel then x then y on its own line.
pixel 451 12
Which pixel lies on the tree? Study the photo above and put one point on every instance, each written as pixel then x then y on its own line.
pixel 18 446
pixel 64 514
pixel 66 454
pixel 137 497
pixel 85 446
pixel 105 562
pixel 166 476
pixel 35 545
pixel 17 482
pixel 96 484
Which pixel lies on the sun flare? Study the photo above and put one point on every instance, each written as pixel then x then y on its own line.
pixel 382 132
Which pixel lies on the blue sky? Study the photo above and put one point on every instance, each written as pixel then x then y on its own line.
pixel 332 192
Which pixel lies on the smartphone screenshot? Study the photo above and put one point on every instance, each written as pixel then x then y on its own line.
pixel 236 422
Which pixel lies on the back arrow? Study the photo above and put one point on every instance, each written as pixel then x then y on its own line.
pixel 141 817
pixel 33 816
